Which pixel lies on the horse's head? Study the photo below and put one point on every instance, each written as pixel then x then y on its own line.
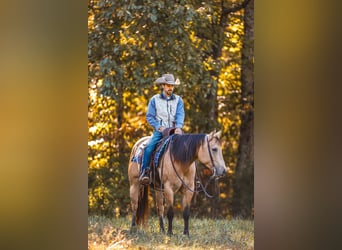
pixel 210 154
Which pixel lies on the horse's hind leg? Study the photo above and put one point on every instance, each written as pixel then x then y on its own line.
pixel 160 209
pixel 134 195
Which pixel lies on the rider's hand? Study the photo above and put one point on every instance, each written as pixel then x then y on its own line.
pixel 178 131
pixel 161 129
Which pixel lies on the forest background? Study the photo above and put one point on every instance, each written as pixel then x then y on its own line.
pixel 209 46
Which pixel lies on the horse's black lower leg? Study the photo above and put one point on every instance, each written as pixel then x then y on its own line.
pixel 133 226
pixel 133 220
pixel 186 215
pixel 170 218
pixel 161 224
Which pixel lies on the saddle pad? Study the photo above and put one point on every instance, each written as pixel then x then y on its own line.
pixel 160 150
pixel 137 158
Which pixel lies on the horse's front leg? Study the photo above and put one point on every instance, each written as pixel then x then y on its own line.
pixel 187 197
pixel 186 201
pixel 160 209
pixel 169 205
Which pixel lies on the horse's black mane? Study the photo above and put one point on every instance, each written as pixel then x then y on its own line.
pixel 184 148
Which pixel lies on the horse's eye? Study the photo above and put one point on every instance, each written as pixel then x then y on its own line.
pixel 214 149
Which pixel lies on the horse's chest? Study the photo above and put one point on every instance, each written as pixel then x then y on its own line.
pixel 175 185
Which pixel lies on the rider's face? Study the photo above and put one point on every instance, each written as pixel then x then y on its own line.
pixel 168 89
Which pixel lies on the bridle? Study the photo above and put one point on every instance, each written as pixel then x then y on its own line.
pixel 211 158
pixel 213 176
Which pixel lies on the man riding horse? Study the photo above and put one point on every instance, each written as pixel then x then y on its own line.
pixel 165 110
pixel 176 160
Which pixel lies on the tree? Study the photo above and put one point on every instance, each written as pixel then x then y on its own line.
pixel 243 202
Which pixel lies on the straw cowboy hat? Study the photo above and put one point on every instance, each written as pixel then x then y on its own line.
pixel 168 79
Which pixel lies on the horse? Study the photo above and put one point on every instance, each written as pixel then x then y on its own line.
pixel 176 172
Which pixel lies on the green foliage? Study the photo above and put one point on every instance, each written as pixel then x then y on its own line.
pixel 129 46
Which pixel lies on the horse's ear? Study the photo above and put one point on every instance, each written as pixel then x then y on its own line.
pixel 218 134
pixel 211 135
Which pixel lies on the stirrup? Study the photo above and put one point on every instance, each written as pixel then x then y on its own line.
pixel 144 177
pixel 145 180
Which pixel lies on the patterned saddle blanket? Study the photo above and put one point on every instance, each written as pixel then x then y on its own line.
pixel 137 157
pixel 156 155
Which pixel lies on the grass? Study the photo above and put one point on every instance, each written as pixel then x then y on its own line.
pixel 107 234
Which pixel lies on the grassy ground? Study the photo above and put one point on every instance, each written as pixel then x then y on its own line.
pixel 104 233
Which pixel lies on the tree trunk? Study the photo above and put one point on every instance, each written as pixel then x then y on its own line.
pixel 243 199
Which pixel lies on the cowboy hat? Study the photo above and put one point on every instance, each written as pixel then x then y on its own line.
pixel 168 79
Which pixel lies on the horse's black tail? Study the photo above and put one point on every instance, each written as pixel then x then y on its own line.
pixel 143 208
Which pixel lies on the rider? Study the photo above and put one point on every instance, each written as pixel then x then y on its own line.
pixel 165 110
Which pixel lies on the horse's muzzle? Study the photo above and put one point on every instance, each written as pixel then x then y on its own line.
pixel 220 171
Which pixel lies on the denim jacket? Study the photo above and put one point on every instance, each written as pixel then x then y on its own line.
pixel 166 112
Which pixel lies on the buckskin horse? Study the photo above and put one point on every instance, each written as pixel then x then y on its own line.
pixel 176 172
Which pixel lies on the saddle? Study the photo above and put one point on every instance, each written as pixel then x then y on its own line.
pixel 168 131
pixel 140 151
pixel 156 155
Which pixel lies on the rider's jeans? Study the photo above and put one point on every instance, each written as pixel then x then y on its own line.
pixel 156 137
